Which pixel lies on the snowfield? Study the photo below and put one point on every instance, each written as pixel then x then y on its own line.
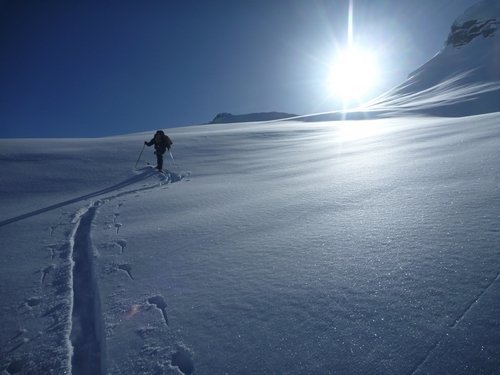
pixel 356 247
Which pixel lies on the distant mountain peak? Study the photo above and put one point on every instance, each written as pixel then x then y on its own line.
pixel 225 117
pixel 482 20
pixel 462 34
pixel 463 77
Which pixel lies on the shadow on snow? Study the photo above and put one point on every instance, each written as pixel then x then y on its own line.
pixel 171 177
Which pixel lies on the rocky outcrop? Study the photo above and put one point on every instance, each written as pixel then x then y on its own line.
pixel 462 34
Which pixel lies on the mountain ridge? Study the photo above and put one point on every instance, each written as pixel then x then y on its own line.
pixel 462 78
pixel 226 117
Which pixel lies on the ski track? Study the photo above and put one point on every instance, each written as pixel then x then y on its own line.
pixel 455 324
pixel 86 322
pixel 86 335
pixel 167 177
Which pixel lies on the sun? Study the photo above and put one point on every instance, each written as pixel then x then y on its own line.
pixel 353 74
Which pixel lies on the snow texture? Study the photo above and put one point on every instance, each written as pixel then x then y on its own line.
pixel 285 247
pixel 330 247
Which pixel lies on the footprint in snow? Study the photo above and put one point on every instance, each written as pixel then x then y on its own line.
pixel 46 271
pixel 161 305
pixel 56 249
pixel 116 215
pixel 182 359
pixel 122 244
pixel 32 302
pixel 52 250
pixel 126 268
pixel 15 367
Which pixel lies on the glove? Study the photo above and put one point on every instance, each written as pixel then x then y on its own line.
pixel 146 143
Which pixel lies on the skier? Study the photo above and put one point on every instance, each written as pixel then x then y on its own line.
pixel 162 143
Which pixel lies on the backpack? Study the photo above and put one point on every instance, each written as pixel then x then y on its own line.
pixel 168 141
pixel 164 139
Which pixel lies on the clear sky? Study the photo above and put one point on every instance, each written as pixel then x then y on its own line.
pixel 76 68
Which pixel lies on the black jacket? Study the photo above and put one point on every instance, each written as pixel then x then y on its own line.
pixel 161 141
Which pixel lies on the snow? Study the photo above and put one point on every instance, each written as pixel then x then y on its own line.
pixel 459 80
pixel 225 117
pixel 482 10
pixel 287 247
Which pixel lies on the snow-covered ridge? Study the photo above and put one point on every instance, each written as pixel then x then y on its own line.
pixel 480 20
pixel 481 11
pixel 224 117
pixel 463 78
pixel 466 32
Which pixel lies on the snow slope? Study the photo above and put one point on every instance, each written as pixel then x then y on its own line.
pixel 360 247
pixel 299 248
pixel 463 78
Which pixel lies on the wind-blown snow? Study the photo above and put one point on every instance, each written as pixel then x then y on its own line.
pixel 298 248
pixel 348 247
pixel 463 78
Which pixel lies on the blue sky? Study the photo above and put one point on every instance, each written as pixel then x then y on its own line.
pixel 98 68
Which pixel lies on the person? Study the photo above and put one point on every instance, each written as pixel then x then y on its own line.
pixel 162 143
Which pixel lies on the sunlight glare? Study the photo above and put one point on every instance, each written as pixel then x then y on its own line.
pixel 353 74
pixel 356 130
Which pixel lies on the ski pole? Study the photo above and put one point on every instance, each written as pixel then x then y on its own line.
pixel 172 157
pixel 137 162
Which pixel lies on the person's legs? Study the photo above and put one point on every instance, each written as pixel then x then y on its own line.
pixel 159 160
